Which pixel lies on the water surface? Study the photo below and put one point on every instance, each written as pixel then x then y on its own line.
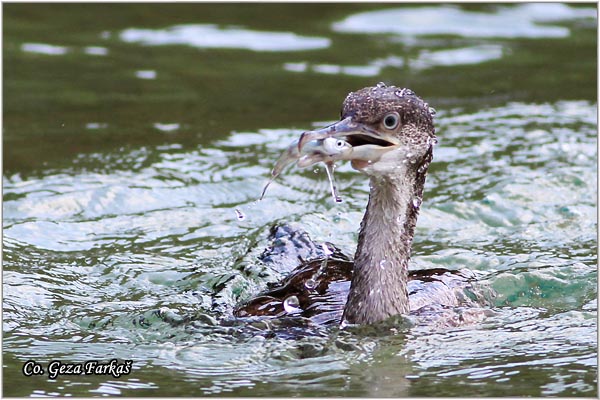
pixel 133 133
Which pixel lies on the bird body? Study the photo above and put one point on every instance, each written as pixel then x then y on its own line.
pixel 431 292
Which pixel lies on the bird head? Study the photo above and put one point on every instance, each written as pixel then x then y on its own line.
pixel 389 128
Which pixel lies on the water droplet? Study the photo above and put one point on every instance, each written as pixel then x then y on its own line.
pixel 328 248
pixel 416 202
pixel 337 218
pixel 404 92
pixel 316 170
pixel 262 195
pixel 311 284
pixel 291 304
pixel 382 264
pixel 330 167
pixel 381 85
pixel 240 215
pixel 432 111
pixel 344 324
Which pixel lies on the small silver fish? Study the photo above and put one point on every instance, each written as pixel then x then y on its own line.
pixel 325 150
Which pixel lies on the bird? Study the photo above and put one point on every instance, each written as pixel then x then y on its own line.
pixel 391 134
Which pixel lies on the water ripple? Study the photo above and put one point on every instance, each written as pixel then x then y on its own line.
pixel 212 36
pixel 149 253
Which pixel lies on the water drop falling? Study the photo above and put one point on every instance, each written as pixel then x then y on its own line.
pixel 262 195
pixel 330 168
pixel 240 215
pixel 292 305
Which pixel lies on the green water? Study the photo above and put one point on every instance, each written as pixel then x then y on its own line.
pixel 132 133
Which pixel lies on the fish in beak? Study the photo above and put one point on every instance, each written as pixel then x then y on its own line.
pixel 367 145
pixel 325 149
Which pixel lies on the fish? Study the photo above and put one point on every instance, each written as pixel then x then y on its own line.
pixel 326 150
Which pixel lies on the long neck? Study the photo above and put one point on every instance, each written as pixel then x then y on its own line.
pixel 378 288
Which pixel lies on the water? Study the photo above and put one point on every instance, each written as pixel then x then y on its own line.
pixel 134 152
pixel 330 168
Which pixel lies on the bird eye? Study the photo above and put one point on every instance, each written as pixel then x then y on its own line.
pixel 391 121
pixel 339 143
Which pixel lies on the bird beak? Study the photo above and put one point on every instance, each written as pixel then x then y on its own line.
pixel 368 145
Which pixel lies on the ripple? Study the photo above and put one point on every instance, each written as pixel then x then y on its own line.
pixel 506 22
pixel 460 56
pixel 145 256
pixel 96 50
pixel 43 48
pixel 149 74
pixel 212 36
pixel 425 59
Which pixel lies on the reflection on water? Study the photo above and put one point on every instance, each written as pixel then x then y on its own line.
pixel 133 229
pixel 460 56
pixel 96 50
pixel 525 20
pixel 211 36
pixel 146 74
pixel 42 48
pixel 425 59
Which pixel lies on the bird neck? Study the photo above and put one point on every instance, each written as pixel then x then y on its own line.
pixel 378 288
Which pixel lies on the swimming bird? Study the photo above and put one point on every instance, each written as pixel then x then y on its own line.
pixel 391 134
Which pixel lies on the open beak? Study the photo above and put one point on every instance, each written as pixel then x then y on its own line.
pixel 368 145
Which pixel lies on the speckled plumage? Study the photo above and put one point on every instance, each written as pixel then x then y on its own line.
pixel 370 104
